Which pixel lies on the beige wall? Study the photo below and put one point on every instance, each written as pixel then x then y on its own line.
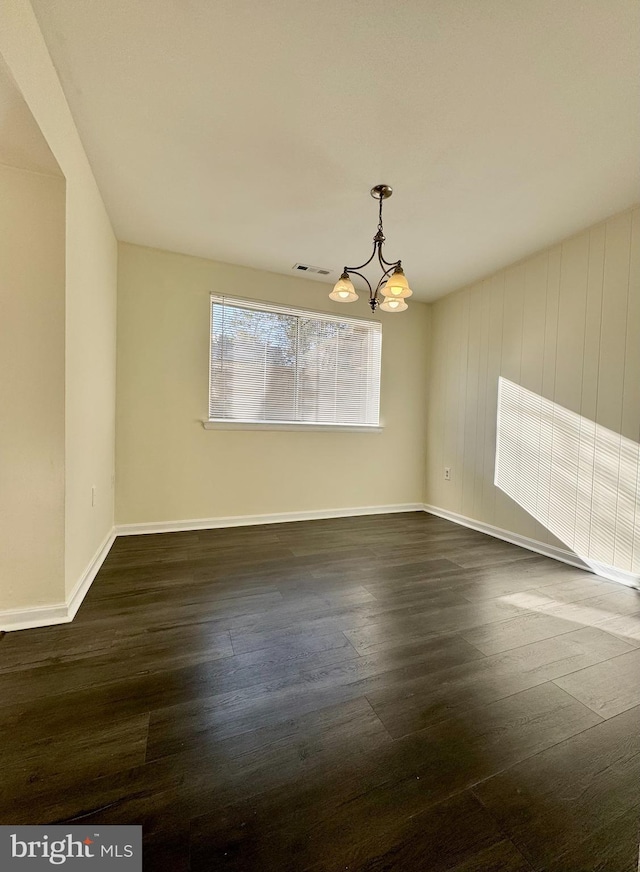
pixel 91 257
pixel 169 468
pixel 32 223
pixel 565 325
pixel 91 377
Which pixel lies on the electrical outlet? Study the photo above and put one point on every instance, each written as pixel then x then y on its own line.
pixel 447 473
pixel 93 494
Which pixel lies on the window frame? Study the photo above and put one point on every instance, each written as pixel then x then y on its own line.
pixel 238 424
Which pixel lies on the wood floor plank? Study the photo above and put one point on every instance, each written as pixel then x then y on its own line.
pixel 380 635
pixel 598 609
pixel 459 751
pixel 413 703
pixel 42 767
pixel 607 688
pixel 412 776
pixel 205 720
pixel 612 847
pixel 566 588
pixel 52 645
pixel 523 629
pixel 502 857
pixel 551 804
pixel 438 839
pixel 626 627
pixel 574 585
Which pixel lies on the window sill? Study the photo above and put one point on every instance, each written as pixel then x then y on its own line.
pixel 290 425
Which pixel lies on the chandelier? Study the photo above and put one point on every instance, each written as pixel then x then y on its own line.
pixel 393 285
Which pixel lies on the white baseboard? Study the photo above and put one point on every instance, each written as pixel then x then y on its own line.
pixel 86 579
pixel 611 573
pixel 58 613
pixel 252 520
pixel 37 616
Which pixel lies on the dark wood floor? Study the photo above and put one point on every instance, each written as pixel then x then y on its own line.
pixel 376 693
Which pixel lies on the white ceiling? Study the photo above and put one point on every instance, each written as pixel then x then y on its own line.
pixel 250 131
pixel 22 144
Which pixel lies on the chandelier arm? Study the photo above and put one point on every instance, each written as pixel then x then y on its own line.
pixel 350 269
pixel 384 262
pixel 385 275
pixel 356 273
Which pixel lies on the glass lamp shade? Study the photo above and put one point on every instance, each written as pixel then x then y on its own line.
pixel 397 285
pixel 393 304
pixel 343 291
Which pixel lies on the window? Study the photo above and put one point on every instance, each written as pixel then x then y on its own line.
pixel 279 365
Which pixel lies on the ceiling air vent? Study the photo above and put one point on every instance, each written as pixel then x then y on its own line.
pixel 304 267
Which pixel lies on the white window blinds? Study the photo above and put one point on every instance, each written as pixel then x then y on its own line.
pixel 279 364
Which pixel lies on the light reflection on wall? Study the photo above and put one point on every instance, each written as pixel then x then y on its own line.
pixel 577 478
